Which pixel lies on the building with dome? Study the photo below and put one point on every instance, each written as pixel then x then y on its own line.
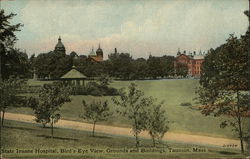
pixel 96 56
pixel 59 48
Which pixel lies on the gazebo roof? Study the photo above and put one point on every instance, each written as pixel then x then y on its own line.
pixel 73 74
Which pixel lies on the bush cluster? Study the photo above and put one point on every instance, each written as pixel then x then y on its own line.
pixel 95 89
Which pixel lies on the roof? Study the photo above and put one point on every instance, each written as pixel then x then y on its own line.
pixel 198 57
pixel 92 53
pixel 73 74
pixel 99 50
pixel 59 44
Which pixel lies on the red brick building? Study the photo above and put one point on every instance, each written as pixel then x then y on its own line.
pixel 193 62
pixel 96 56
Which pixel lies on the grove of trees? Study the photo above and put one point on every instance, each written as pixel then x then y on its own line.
pixel 143 113
pixel 118 65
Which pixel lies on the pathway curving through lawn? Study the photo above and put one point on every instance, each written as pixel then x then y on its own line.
pixel 170 136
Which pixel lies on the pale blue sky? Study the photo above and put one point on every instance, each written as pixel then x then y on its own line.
pixel 138 27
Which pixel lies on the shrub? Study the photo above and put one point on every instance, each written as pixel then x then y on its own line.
pixel 94 89
pixel 186 104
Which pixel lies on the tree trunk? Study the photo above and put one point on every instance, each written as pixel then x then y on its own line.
pixel 52 126
pixel 239 125
pixel 1 49
pixel 44 125
pixel 136 134
pixel 0 134
pixel 137 140
pixel 93 131
pixel 3 117
pixel 241 135
pixel 153 141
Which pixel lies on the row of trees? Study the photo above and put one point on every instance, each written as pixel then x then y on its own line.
pixel 143 112
pixel 118 65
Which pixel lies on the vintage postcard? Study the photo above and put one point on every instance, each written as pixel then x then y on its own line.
pixel 124 79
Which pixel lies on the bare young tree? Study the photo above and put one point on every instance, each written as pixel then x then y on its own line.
pixel 96 111
pixel 134 106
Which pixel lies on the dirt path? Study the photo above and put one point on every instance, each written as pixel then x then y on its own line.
pixel 177 137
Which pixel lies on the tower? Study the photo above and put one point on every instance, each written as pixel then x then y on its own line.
pixel 59 46
pixel 99 51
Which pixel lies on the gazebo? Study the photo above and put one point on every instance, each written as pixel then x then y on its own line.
pixel 74 77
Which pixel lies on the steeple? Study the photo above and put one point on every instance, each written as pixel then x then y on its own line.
pixel 179 52
pixel 59 39
pixel 99 51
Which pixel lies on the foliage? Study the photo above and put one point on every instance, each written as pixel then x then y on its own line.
pixel 224 84
pixel 96 111
pixel 94 89
pixel 154 67
pixel 10 94
pixel 13 62
pixel 140 69
pixel 52 64
pixel 157 124
pixel 186 104
pixel 16 64
pixel 7 36
pixel 134 106
pixel 181 69
pixel 47 106
pixel 104 80
pixel 120 65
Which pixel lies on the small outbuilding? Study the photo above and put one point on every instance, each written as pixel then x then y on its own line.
pixel 74 77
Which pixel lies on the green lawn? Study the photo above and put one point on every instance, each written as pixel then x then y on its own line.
pixel 173 92
pixel 24 136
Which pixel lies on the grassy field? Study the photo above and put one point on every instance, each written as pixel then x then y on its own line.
pixel 27 138
pixel 174 92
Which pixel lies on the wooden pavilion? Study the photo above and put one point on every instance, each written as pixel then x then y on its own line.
pixel 74 77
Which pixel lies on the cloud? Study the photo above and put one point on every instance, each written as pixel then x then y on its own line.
pixel 138 27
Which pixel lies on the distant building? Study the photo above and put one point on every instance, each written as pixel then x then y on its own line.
pixel 59 48
pixel 96 56
pixel 193 62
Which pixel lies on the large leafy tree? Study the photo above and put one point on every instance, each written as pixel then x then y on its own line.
pixel 225 84
pixel 7 39
pixel 140 69
pixel 16 63
pixel 52 64
pixel 120 65
pixel 167 65
pixel 154 67
pixel 181 69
